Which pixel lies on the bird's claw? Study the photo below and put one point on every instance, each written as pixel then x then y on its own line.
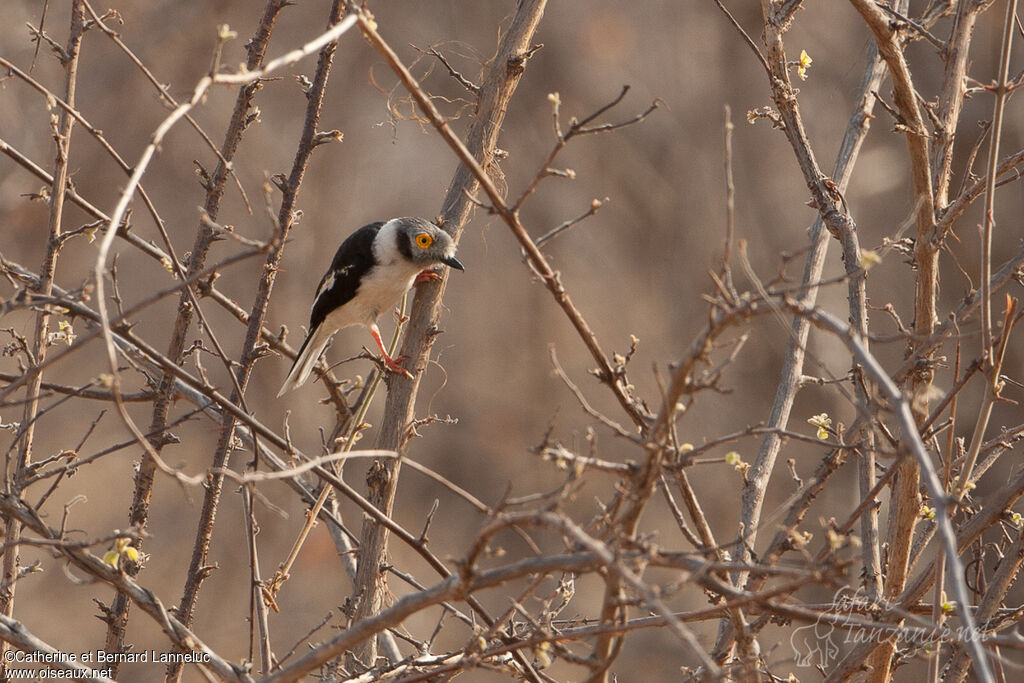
pixel 393 365
pixel 426 276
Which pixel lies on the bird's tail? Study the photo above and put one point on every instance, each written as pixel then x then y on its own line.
pixel 309 354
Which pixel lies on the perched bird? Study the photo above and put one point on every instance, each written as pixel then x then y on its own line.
pixel 371 271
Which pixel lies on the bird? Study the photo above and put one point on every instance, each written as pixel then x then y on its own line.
pixel 372 269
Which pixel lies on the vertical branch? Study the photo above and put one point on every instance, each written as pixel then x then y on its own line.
pixel 258 616
pixel 499 84
pixel 64 122
pixel 138 516
pixel 1002 90
pixel 905 500
pixel 198 569
pixel 857 302
pixel 858 307
pixel 730 201
pixel 940 562
pixel 951 98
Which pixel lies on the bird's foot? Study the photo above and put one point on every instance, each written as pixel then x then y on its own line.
pixel 426 276
pixel 393 364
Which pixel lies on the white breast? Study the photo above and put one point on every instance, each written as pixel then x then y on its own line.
pixel 380 291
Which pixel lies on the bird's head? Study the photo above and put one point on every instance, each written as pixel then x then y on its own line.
pixel 425 244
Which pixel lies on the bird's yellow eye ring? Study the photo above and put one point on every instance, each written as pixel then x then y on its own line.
pixel 424 240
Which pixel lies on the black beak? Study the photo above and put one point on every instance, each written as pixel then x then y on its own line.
pixel 453 262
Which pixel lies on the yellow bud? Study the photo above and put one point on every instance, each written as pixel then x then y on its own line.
pixel 803 65
pixel 869 258
pixel 542 653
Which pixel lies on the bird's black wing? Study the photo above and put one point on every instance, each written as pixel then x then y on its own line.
pixel 339 284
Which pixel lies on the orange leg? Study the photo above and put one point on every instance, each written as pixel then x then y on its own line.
pixel 389 362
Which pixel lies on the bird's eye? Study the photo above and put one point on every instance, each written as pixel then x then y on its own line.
pixel 423 240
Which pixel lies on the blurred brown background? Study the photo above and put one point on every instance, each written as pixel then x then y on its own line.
pixel 638 267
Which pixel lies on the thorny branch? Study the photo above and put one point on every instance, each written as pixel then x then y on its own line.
pixel 531 556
